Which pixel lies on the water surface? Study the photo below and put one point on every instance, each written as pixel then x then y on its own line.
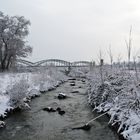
pixel 36 124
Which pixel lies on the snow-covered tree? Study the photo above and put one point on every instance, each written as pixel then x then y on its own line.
pixel 13 45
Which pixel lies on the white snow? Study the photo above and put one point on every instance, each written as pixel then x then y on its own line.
pixel 135 137
pixel 4 104
pixel 37 81
pixel 62 94
pixel 2 124
pixel 120 95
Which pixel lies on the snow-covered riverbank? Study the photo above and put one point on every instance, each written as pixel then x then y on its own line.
pixel 120 95
pixel 17 88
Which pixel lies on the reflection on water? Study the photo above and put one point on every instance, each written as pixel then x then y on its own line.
pixel 36 124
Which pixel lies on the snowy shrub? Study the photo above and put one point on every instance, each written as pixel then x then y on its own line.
pixel 47 79
pixel 43 80
pixel 78 72
pixel 17 89
pixel 120 96
pixel 18 92
pixel 4 105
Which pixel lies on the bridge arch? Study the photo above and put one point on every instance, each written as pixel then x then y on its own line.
pixel 54 62
pixel 22 62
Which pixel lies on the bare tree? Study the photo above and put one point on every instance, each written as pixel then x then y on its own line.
pixel 129 47
pixel 110 56
pixel 101 63
pixel 13 31
pixel 119 58
pixel 135 56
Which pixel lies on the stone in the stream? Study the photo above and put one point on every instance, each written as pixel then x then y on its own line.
pixel 2 124
pixel 58 108
pixel 49 109
pixel 72 84
pixel 61 112
pixel 83 80
pixel 75 91
pixel 17 109
pixel 43 91
pixel 52 88
pixel 72 79
pixel 61 96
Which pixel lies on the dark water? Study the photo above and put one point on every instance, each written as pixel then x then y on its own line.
pixel 36 124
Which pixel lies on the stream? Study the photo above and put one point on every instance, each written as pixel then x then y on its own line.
pixel 36 124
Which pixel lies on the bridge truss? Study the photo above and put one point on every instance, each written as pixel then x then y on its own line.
pixel 53 62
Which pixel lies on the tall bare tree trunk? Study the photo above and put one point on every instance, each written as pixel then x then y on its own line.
pixel 129 47
pixel 110 56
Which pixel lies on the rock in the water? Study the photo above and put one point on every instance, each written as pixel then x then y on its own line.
pixel 83 81
pixel 58 109
pixel 17 109
pixel 49 109
pixel 75 92
pixel 62 96
pixel 50 89
pixel 61 112
pixel 72 84
pixel 2 124
pixel 43 91
pixel 72 79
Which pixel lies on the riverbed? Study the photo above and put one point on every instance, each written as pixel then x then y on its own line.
pixel 36 124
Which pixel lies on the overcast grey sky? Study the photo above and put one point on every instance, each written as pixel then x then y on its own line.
pixel 77 29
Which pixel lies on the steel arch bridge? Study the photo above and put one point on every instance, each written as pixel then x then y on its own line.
pixel 21 62
pixel 53 62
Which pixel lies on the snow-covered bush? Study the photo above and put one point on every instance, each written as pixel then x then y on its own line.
pixel 18 92
pixel 42 81
pixel 48 79
pixel 120 96
pixel 17 89
pixel 78 72
pixel 4 105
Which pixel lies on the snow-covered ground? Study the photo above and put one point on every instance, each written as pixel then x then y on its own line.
pixel 79 72
pixel 120 96
pixel 16 88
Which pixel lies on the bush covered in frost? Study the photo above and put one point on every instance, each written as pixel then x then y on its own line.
pixel 18 92
pixel 120 96
pixel 49 79
pixel 78 72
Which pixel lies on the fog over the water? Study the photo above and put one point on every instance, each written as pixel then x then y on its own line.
pixel 76 29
